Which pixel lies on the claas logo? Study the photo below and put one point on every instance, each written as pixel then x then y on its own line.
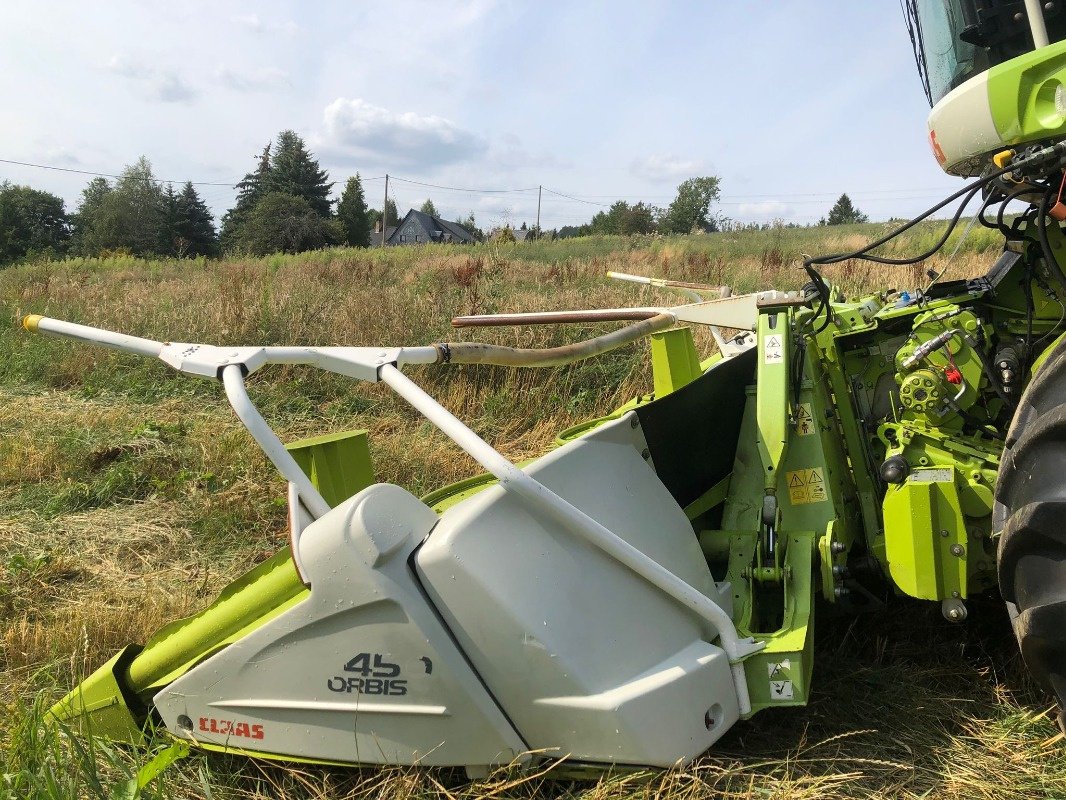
pixel 226 727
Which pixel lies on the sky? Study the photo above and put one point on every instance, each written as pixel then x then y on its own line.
pixel 789 103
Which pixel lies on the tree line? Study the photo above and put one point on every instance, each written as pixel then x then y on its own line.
pixel 283 205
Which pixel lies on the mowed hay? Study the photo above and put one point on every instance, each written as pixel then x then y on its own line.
pixel 129 496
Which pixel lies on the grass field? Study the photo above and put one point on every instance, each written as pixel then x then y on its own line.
pixel 129 495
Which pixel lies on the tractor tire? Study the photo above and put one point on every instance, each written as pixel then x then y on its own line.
pixel 1030 519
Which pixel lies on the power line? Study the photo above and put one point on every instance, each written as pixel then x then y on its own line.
pixel 576 199
pixel 108 174
pixel 463 189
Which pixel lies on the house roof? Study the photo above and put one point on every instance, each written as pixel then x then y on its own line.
pixel 375 236
pixel 430 223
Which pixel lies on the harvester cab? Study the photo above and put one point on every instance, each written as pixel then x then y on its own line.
pixel 630 595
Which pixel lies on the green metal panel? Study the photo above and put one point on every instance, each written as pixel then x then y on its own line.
pixel 98 705
pixel 674 360
pixel 338 464
pixel 248 602
pixel 780 674
pixel 772 399
pixel 925 535
pixel 1023 95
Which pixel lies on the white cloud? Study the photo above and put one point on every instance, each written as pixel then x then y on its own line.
pixel 252 81
pixel 769 209
pixel 157 83
pixel 665 167
pixel 256 25
pixel 355 129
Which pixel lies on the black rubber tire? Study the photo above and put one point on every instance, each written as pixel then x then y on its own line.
pixel 1030 518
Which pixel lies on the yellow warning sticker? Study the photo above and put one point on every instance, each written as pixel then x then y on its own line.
pixel 804 420
pixel 806 486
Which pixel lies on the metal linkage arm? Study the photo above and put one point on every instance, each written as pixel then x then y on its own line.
pixel 540 497
pixel 233 380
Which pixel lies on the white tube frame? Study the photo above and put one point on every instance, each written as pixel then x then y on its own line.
pixel 372 365
pixel 1035 12
pixel 540 497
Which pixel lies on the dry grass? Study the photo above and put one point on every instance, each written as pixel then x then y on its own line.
pixel 129 495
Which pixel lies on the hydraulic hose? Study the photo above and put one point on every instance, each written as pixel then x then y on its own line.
pixel 482 353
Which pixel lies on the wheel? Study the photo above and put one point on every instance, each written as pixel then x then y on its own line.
pixel 1030 519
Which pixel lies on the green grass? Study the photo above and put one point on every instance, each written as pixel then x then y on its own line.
pixel 130 494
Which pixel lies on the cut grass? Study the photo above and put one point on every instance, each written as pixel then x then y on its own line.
pixel 129 495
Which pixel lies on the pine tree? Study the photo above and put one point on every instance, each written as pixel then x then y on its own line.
pixel 294 171
pixel 844 213
pixel 194 226
pixel 352 214
pixel 168 233
pixel 429 208
pixel 250 190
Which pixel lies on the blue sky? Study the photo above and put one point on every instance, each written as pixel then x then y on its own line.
pixel 789 103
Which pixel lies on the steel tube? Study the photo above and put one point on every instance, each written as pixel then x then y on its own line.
pixel 538 496
pixel 555 317
pixel 87 333
pixel 480 353
pixel 233 380
pixel 1035 11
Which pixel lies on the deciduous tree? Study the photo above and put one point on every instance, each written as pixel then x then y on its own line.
pixel 31 222
pixel 691 209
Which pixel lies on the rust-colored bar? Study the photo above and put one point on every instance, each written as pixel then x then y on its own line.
pixel 555 317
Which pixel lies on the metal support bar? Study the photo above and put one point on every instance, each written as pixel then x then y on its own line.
pixel 537 495
pixel 242 405
pixel 85 333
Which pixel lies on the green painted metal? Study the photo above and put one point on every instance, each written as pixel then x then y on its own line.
pixel 1023 95
pixel 780 674
pixel 674 360
pixel 248 602
pixel 99 705
pixel 1039 361
pixel 772 378
pixel 925 536
pixel 712 498
pixel 338 464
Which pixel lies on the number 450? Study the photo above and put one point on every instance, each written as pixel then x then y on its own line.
pixel 380 669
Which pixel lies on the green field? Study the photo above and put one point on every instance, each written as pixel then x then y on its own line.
pixel 129 495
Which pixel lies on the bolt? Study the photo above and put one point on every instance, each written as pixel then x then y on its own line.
pixel 954 614
pixel 839 570
pixel 944 533
pixel 837 547
pixel 956 595
pixel 1019 17
pixel 634 422
pixel 645 454
pixel 958 550
pixel 841 591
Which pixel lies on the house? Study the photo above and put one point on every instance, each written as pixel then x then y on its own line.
pixel 375 236
pixel 419 228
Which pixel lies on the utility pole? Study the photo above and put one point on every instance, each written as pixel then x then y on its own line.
pixel 385 213
pixel 539 190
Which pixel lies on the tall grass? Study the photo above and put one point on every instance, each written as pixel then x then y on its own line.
pixel 129 495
